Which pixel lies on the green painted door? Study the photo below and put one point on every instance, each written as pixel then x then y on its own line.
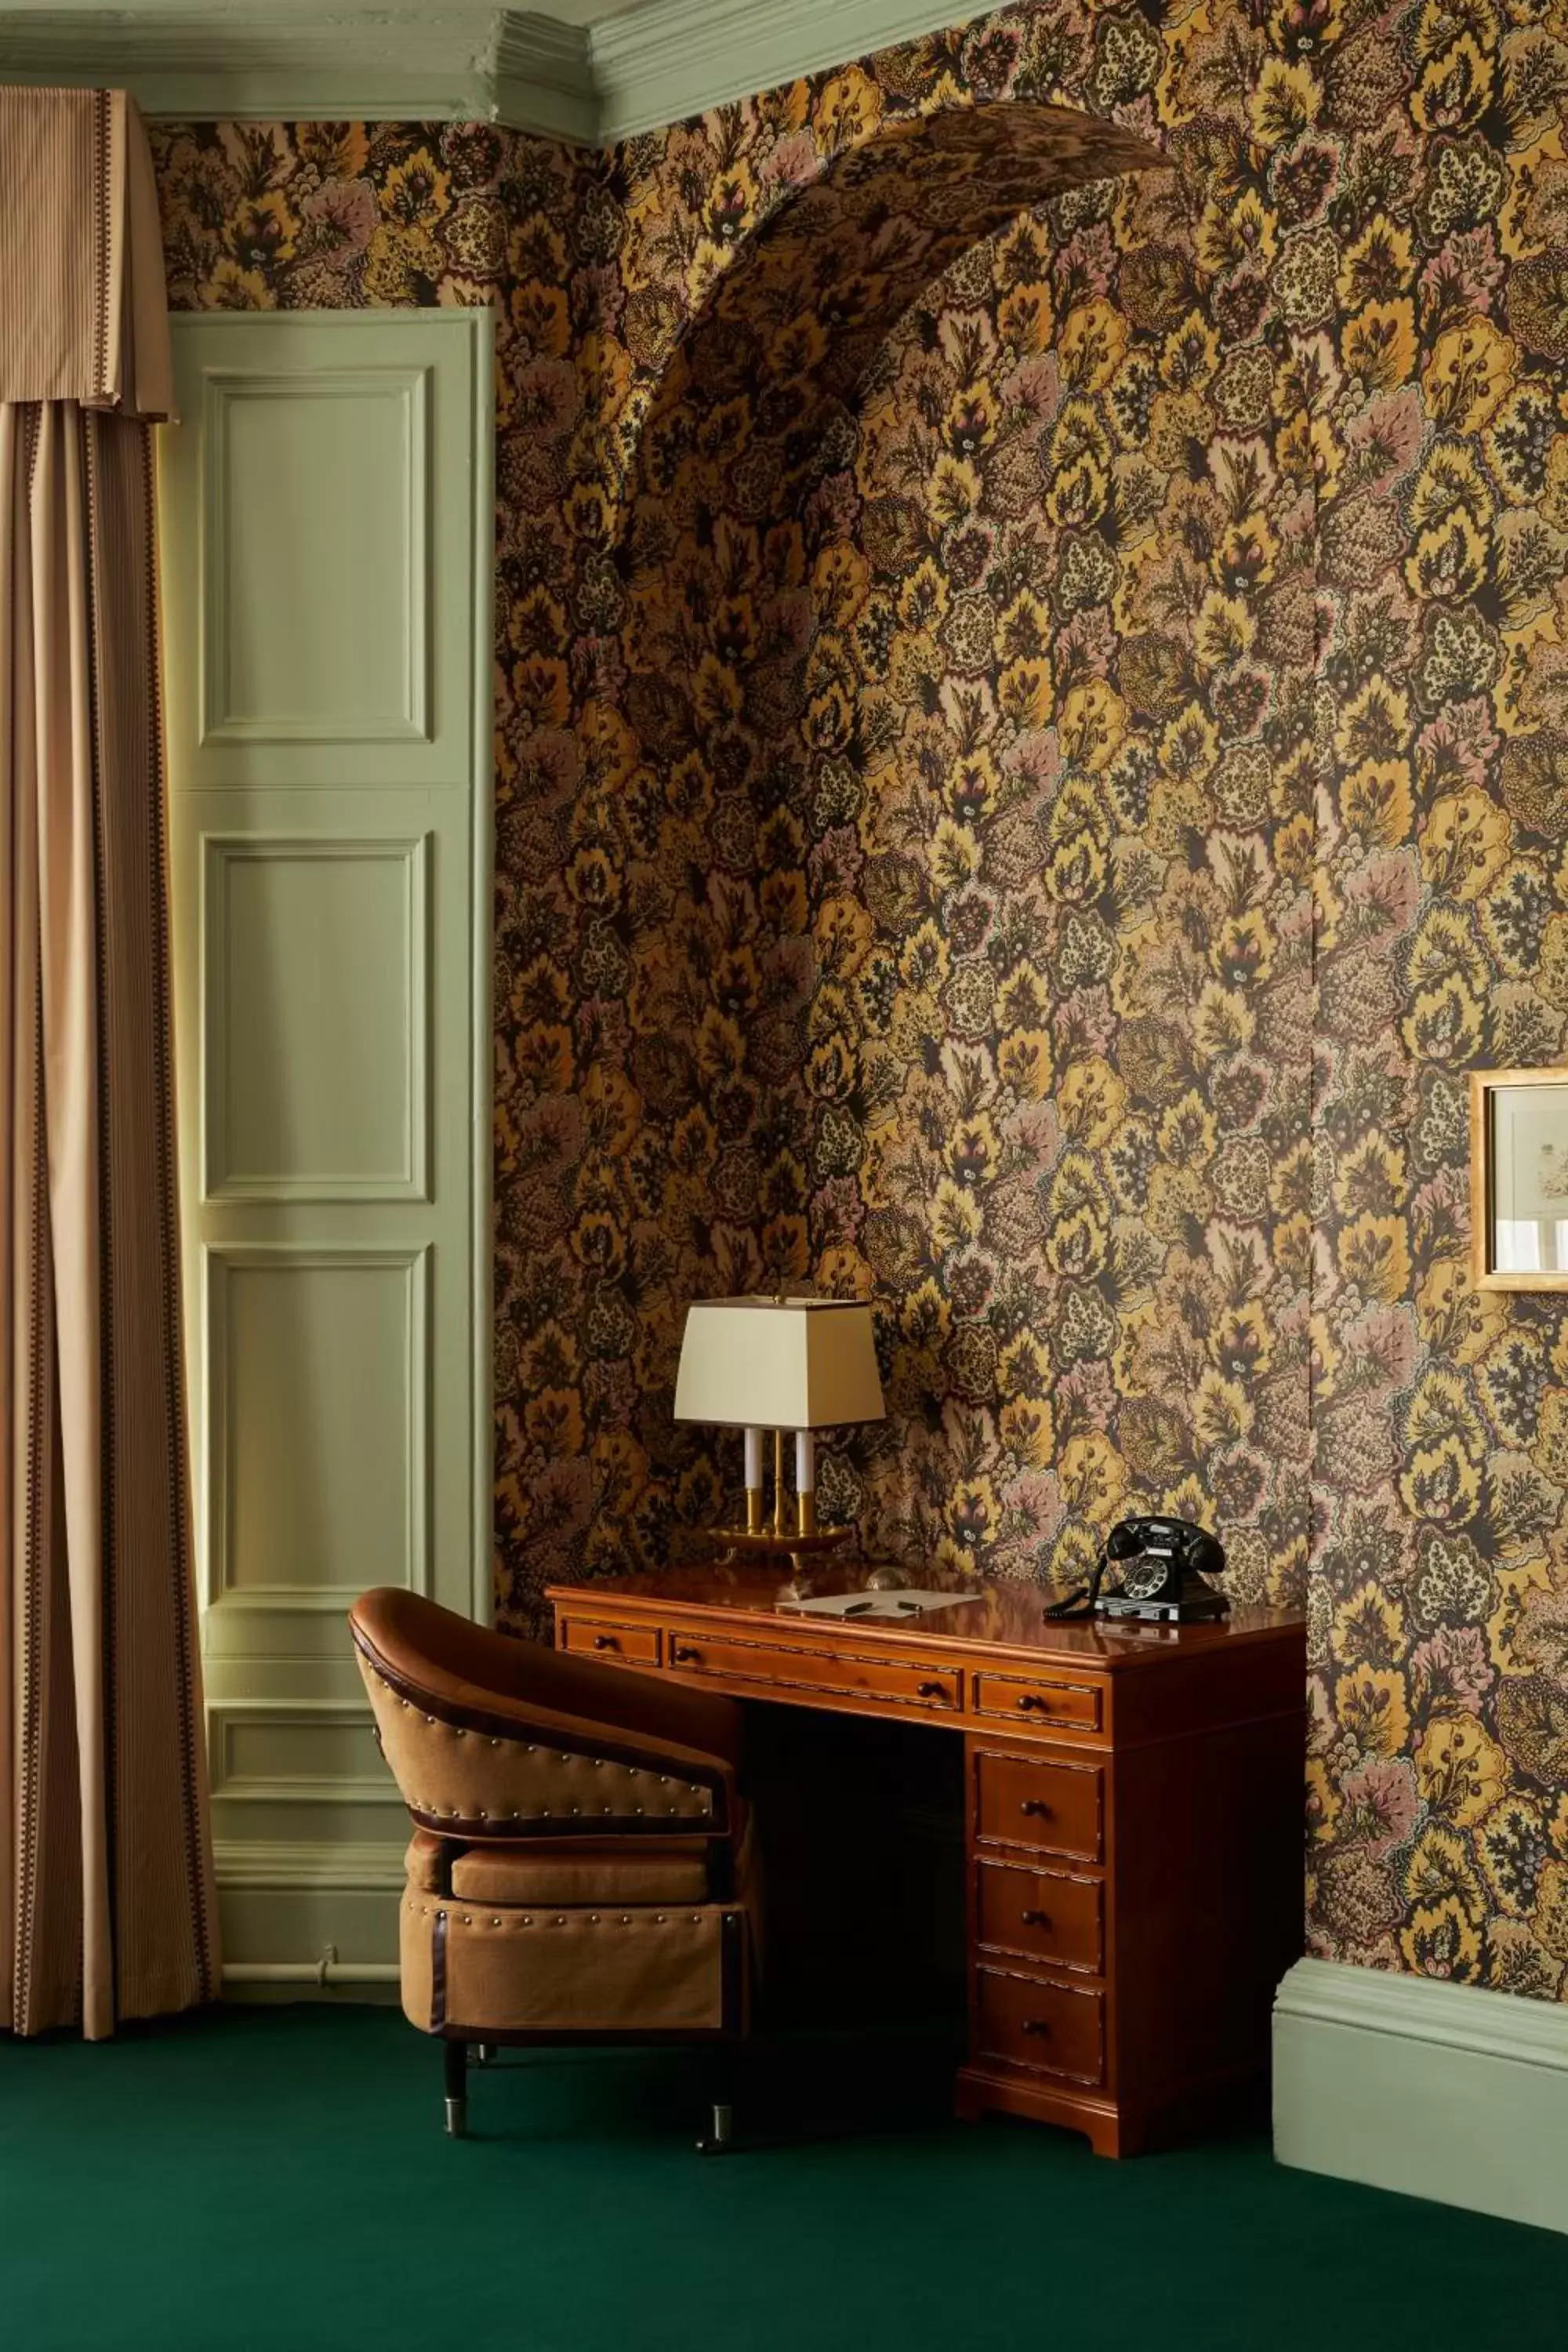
pixel 325 536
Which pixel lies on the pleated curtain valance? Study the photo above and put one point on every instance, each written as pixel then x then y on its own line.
pixel 84 314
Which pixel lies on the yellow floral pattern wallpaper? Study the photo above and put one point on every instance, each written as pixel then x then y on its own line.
pixel 1031 761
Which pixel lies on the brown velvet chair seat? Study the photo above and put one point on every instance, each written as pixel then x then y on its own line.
pixel 581 1861
pixel 676 1872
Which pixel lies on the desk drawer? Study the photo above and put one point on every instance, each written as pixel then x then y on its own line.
pixel 1038 1703
pixel 923 1689
pixel 616 1646
pixel 1040 1914
pixel 1054 1807
pixel 1052 2029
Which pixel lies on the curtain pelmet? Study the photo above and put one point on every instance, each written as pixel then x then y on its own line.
pixel 84 314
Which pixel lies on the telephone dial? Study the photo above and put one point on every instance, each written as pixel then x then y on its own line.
pixel 1163 1564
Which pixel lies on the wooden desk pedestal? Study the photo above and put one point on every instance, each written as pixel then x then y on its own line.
pixel 1133 1818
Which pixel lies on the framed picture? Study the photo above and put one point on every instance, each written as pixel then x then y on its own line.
pixel 1519 1179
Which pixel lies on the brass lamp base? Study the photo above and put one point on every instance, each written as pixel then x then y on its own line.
pixel 763 1542
pixel 766 1539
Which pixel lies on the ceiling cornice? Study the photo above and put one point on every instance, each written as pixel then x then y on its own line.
pixel 188 60
pixel 542 78
pixel 674 58
pixel 295 63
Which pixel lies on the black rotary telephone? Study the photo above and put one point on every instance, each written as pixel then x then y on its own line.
pixel 1163 1564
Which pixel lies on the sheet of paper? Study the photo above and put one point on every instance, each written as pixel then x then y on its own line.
pixel 911 1603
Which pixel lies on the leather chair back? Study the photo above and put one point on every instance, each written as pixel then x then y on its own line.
pixel 492 1737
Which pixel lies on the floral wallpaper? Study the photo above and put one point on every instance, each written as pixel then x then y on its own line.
pixel 1031 761
pixel 336 216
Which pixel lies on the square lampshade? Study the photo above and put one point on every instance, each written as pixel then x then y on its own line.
pixel 778 1363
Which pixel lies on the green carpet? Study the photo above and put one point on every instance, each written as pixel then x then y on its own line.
pixel 278 2177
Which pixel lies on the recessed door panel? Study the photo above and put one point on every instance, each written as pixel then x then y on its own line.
pixel 315 1017
pixel 320 1755
pixel 319 498
pixel 317 1421
pixel 314 581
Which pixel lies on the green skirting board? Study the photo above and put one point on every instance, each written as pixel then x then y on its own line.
pixel 277 2177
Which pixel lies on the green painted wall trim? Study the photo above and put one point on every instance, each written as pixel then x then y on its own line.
pixel 327 509
pixel 1436 2090
pixel 458 63
pixel 678 58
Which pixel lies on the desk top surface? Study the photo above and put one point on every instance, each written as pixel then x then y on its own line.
pixel 994 1617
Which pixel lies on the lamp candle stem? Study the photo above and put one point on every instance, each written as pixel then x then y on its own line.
pixel 805 1482
pixel 778 1483
pixel 753 1482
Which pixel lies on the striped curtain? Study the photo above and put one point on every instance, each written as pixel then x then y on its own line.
pixel 107 1908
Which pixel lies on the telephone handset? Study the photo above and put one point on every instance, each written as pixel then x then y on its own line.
pixel 1163 1564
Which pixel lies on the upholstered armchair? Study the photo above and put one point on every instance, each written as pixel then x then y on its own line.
pixel 580 1864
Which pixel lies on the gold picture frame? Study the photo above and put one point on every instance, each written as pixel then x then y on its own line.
pixel 1518 1164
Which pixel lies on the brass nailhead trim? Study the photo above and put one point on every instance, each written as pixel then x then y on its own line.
pixel 703 1798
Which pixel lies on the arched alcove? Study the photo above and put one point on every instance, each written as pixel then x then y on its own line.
pixel 803 309
pixel 938 793
pixel 752 405
pixel 744 414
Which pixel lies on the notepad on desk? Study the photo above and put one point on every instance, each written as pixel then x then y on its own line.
pixel 909 1603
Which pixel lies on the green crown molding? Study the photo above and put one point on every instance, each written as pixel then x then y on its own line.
pixel 543 79
pixel 671 58
pixel 660 62
pixel 289 62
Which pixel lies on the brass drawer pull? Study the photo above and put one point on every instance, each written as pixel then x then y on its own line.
pixel 1037 1919
pixel 680 1655
pixel 1037 1806
pixel 932 1690
pixel 1036 2025
pixel 605 1642
pixel 1033 1699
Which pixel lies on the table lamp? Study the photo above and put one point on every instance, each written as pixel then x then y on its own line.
pixel 789 1365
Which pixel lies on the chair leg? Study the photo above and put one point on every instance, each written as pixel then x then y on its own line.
pixel 484 2053
pixel 721 2133
pixel 455 2056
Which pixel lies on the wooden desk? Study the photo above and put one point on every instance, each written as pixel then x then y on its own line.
pixel 1133 1813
